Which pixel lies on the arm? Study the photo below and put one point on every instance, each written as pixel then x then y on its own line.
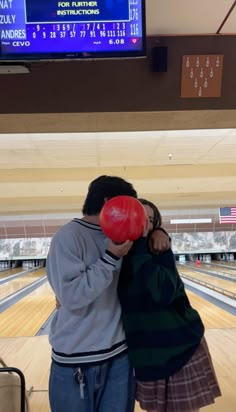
pixel 158 272
pixel 75 284
pixel 159 240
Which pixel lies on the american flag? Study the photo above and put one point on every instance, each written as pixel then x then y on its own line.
pixel 227 214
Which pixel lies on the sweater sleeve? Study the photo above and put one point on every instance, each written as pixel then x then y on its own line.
pixel 158 271
pixel 75 284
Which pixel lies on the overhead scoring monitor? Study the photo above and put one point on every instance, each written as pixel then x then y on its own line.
pixel 51 29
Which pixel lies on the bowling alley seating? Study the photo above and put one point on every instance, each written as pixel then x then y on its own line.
pixel 13 395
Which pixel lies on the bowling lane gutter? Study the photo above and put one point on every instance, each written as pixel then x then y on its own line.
pixel 10 300
pixel 45 328
pixel 211 296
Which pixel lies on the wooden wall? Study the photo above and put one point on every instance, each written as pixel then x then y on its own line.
pixel 119 86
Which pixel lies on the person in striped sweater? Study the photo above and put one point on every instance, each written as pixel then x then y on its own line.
pixel 165 335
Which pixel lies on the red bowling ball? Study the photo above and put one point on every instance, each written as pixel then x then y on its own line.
pixel 123 218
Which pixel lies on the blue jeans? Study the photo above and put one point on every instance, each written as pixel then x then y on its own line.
pixel 106 387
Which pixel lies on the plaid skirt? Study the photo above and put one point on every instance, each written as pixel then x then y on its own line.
pixel 190 389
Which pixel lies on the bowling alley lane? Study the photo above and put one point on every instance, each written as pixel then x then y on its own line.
pixel 212 316
pixel 220 270
pixel 16 284
pixel 225 264
pixel 10 272
pixel 213 280
pixel 27 316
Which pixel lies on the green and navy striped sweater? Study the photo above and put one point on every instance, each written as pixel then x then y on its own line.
pixel 162 329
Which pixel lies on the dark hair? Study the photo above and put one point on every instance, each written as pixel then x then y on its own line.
pixel 105 187
pixel 157 220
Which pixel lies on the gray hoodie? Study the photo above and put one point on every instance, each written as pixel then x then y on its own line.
pixel 87 327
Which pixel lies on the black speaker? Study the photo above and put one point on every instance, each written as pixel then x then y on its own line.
pixel 159 59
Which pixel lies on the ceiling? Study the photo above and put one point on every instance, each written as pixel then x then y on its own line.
pixel 189 17
pixel 186 170
pixel 50 173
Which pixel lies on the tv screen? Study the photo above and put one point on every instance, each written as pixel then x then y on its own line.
pixel 49 29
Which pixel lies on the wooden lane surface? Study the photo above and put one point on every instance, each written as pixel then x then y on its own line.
pixel 220 269
pixel 229 271
pixel 25 317
pixel 212 316
pixel 32 355
pixel 10 272
pixel 224 263
pixel 16 284
pixel 221 283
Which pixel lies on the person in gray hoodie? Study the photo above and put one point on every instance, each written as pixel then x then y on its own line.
pixel 90 370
